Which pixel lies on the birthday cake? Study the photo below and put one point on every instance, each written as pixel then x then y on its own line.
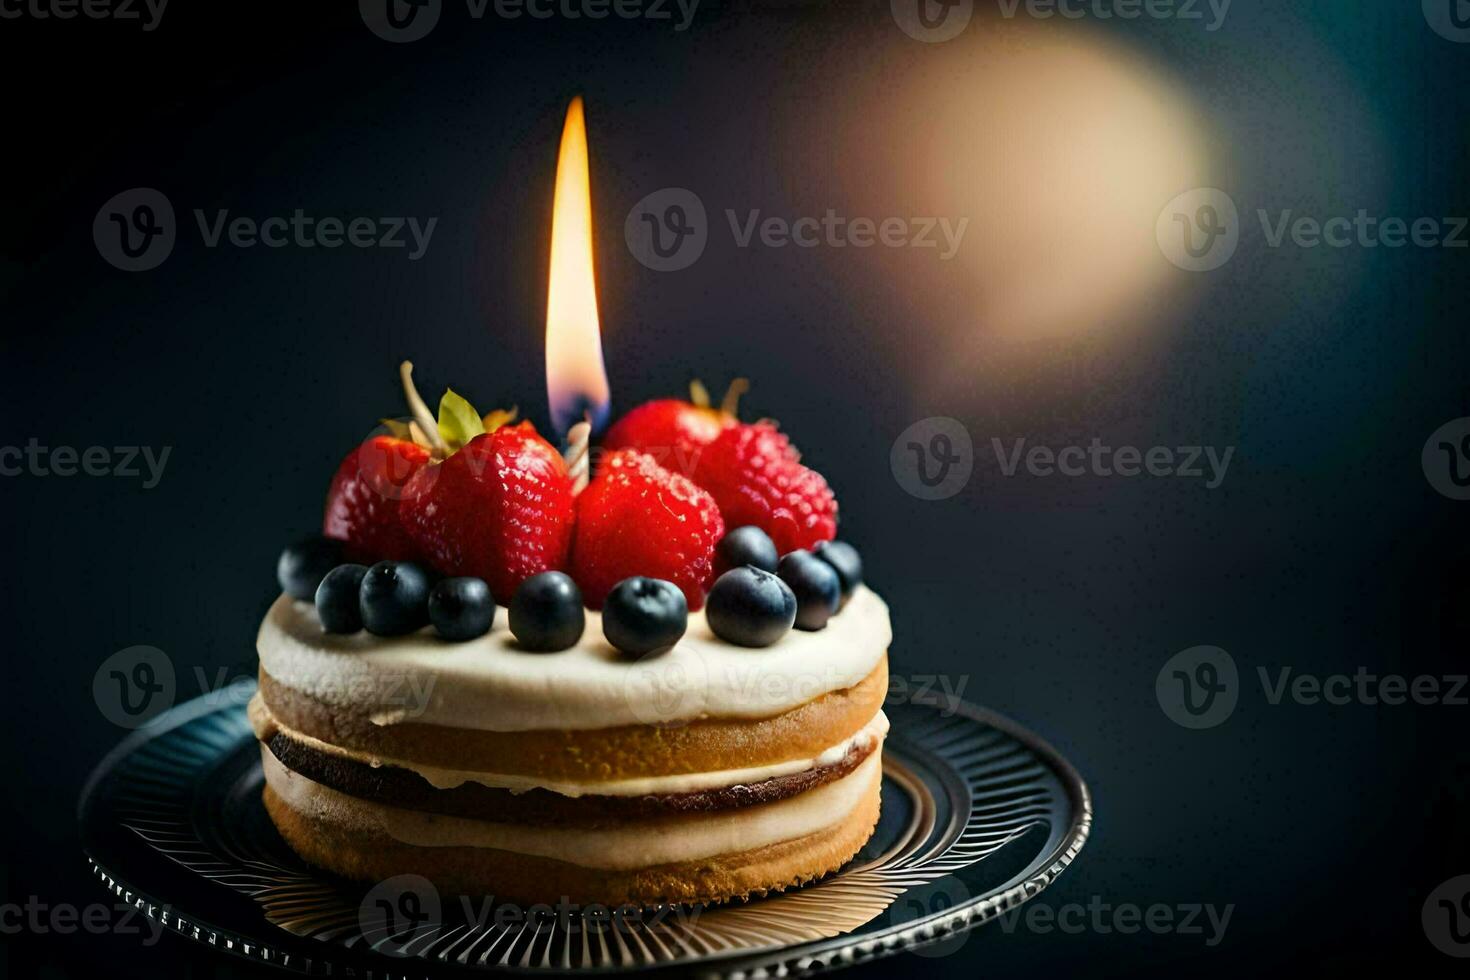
pixel 663 687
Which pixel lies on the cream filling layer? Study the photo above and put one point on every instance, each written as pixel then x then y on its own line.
pixel 640 844
pixel 869 736
pixel 489 684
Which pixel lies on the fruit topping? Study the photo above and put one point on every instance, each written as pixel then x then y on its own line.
pixel 546 614
pixel 846 561
pixel 747 545
pixel 461 608
pixel 675 432
pixel 644 615
pixel 394 598
pixel 363 500
pixel 637 518
pixel 499 509
pixel 750 607
pixel 337 603
pixel 756 476
pixel 816 585
pixel 304 564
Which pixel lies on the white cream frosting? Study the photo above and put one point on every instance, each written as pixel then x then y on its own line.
pixel 636 844
pixel 869 737
pixel 489 684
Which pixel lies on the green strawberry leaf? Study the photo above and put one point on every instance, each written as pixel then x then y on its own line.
pixel 458 420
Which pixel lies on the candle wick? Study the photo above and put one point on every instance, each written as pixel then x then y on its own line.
pixel 578 456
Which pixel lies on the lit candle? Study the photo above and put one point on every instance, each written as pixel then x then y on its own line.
pixel 576 381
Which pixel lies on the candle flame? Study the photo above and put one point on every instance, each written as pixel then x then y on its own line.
pixel 576 380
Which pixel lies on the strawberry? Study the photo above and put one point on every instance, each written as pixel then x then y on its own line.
pixel 637 518
pixel 756 476
pixel 362 502
pixel 675 432
pixel 500 509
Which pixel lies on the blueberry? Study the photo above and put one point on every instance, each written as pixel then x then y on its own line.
pixel 461 608
pixel 336 599
pixel 546 613
pixel 818 590
pixel 846 562
pixel 643 615
pixel 750 607
pixel 394 598
pixel 747 545
pixel 303 565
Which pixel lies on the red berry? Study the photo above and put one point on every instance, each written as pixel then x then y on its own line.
pixel 637 518
pixel 756 476
pixel 362 503
pixel 673 432
pixel 500 509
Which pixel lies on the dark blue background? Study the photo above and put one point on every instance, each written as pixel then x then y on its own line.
pixel 1057 599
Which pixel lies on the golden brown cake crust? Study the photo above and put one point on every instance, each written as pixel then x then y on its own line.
pixel 529 879
pixel 629 752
